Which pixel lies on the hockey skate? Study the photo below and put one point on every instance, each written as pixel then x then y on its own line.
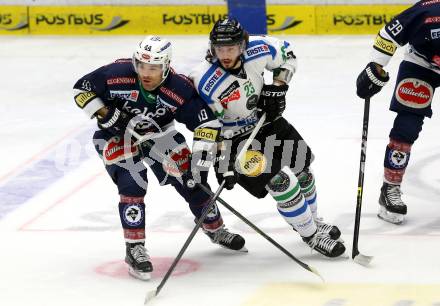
pixel 325 245
pixel 331 230
pixel 139 264
pixel 392 209
pixel 226 239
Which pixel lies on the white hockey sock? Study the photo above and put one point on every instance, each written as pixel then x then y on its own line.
pixel 308 189
pixel 285 189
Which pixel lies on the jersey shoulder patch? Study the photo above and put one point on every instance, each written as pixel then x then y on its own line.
pixel 210 80
pixel 259 48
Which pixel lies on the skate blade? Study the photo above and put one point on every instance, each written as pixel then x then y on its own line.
pixel 242 250
pixel 390 216
pixel 145 276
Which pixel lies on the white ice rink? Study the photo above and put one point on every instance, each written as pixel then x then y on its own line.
pixel 60 236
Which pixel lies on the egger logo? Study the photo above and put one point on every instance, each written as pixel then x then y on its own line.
pixel 414 93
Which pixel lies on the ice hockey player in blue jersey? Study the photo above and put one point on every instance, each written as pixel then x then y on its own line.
pixel 141 97
pixel 231 82
pixel 418 27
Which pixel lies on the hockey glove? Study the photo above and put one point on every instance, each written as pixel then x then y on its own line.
pixel 224 165
pixel 229 177
pixel 115 121
pixel 200 163
pixel 371 80
pixel 272 101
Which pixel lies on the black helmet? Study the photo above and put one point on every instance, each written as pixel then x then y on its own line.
pixel 227 32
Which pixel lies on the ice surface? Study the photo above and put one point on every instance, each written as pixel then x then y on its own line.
pixel 61 242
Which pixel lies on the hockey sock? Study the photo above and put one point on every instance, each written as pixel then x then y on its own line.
pixel 132 215
pixel 285 189
pixel 213 220
pixel 308 189
pixel 396 160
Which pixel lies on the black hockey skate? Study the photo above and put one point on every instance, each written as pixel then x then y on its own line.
pixel 139 264
pixel 331 230
pixel 325 245
pixel 226 239
pixel 392 208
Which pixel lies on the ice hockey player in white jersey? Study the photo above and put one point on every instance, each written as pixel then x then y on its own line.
pixel 419 75
pixel 231 82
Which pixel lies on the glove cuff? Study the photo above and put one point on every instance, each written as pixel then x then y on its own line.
pixel 110 119
pixel 375 76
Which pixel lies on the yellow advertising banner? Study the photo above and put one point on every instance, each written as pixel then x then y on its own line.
pixel 291 19
pixel 14 20
pixel 80 20
pixel 190 20
pixel 354 19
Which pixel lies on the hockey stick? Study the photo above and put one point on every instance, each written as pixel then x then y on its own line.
pixel 259 231
pixel 356 255
pixel 153 293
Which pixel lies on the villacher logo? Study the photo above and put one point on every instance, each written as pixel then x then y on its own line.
pixel 95 21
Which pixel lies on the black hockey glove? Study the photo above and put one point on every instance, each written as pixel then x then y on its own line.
pixel 272 101
pixel 230 178
pixel 115 121
pixel 371 80
pixel 224 165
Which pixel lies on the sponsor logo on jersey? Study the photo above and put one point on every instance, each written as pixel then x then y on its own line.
pixel 257 50
pixel 205 134
pixel 430 2
pixel 123 61
pixel 435 33
pixel 165 104
pixel 133 214
pixel 177 161
pixel 232 93
pixel 253 163
pixel 384 45
pixel 83 98
pixel 168 92
pixel 121 80
pixel 212 80
pixel 148 117
pixel 115 150
pixel 433 19
pixel 414 93
pixel 131 95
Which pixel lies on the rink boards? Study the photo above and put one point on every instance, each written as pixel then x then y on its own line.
pixel 190 20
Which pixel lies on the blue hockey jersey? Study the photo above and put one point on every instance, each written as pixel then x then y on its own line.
pixel 117 84
pixel 419 27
